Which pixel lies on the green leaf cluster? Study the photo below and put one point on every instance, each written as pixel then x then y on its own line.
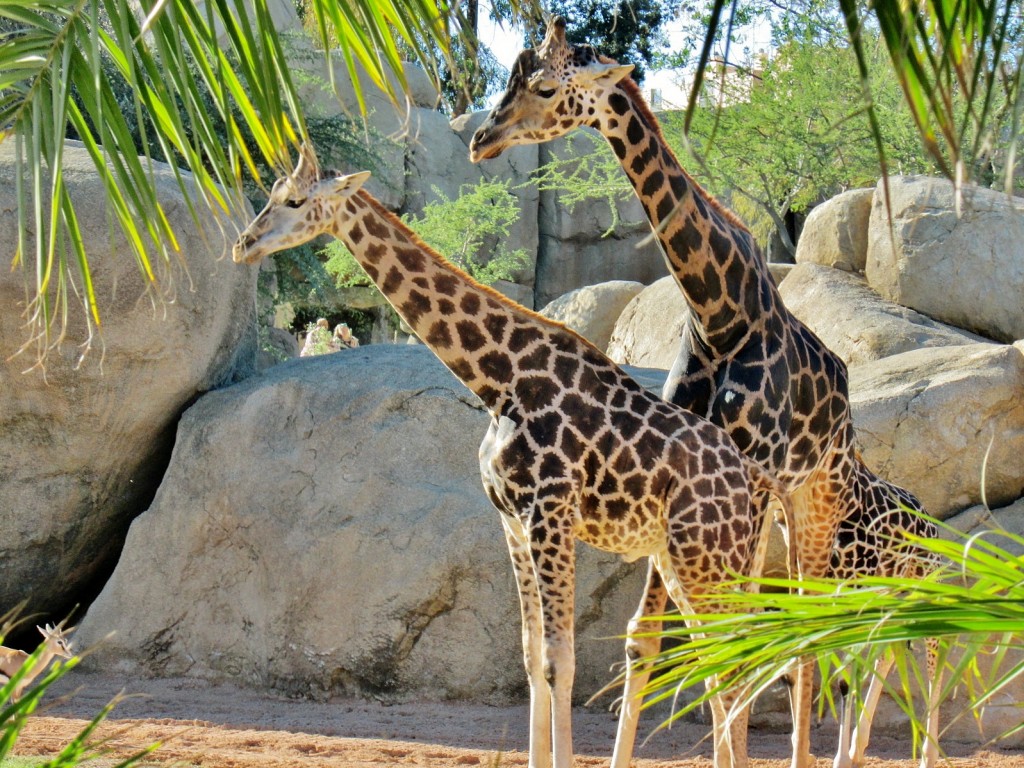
pixel 471 231
pixel 973 605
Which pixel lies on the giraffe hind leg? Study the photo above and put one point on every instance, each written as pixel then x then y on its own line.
pixel 638 671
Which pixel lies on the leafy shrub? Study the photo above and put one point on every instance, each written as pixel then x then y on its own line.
pixel 461 230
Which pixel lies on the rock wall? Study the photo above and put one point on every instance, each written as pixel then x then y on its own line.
pixel 330 534
pixel 83 447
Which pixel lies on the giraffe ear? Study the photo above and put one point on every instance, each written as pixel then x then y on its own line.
pixel 603 73
pixel 348 184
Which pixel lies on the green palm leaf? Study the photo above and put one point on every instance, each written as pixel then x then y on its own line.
pixel 974 606
pixel 198 74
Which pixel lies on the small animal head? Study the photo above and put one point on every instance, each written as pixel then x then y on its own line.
pixel 552 90
pixel 302 205
pixel 57 640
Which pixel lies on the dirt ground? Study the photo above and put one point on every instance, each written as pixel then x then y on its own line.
pixel 200 724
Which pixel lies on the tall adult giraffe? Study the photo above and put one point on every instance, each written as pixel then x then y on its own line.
pixel 576 449
pixel 746 363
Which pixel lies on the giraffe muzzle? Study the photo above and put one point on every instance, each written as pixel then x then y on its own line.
pixel 240 252
pixel 483 145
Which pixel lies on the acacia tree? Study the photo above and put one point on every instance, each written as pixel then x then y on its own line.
pixel 796 132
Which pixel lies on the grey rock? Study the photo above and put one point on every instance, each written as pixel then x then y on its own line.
pixel 836 232
pixel 83 447
pixel 965 270
pixel 592 311
pixel 855 322
pixel 331 535
pixel 650 327
pixel 926 419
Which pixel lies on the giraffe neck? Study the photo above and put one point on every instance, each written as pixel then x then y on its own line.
pixel 711 255
pixel 481 336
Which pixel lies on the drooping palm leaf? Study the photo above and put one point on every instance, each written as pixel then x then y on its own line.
pixel 974 606
pixel 198 74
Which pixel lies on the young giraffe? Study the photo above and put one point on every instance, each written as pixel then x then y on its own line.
pixel 746 363
pixel 576 449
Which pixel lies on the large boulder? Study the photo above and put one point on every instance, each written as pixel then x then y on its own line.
pixel 650 327
pixel 855 322
pixel 590 241
pixel 942 421
pixel 83 447
pixel 966 270
pixel 330 534
pixel 836 232
pixel 593 310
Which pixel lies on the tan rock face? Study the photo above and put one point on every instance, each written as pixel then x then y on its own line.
pixel 927 418
pixel 82 450
pixel 836 232
pixel 855 322
pixel 592 311
pixel 331 534
pixel 650 327
pixel 967 271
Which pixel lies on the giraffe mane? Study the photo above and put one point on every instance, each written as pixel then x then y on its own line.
pixel 633 92
pixel 498 296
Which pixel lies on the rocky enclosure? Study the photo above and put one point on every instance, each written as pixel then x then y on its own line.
pixel 321 528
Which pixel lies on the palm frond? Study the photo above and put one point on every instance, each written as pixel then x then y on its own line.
pixel 973 606
pixel 202 79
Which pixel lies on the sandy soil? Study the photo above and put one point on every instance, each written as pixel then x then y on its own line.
pixel 200 724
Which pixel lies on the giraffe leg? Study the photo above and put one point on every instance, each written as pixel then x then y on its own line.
pixel 553 553
pixel 930 749
pixel 638 648
pixel 842 758
pixel 532 623
pixel 862 733
pixel 729 728
pixel 814 524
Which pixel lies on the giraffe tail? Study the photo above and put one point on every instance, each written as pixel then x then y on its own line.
pixel 763 480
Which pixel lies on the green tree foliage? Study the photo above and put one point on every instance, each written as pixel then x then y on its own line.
pixel 462 230
pixel 796 132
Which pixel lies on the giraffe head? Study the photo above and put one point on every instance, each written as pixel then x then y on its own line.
pixel 552 90
pixel 302 205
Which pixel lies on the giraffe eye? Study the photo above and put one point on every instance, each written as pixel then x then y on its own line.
pixel 546 93
pixel 293 203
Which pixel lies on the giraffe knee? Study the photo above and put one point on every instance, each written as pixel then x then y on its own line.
pixel 550 672
pixel 638 648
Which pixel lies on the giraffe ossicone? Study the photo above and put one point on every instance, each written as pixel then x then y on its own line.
pixel 575 450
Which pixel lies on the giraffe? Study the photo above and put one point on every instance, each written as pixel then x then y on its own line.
pixel 876 544
pixel 745 362
pixel 575 449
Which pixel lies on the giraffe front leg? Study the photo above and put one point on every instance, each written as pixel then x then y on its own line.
pixel 862 733
pixel 842 758
pixel 532 625
pixel 638 671
pixel 553 549
pixel 930 749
